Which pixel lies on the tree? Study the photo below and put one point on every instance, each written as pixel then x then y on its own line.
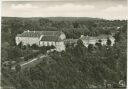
pixel 34 46
pixel 76 24
pixel 90 47
pixel 52 47
pixel 14 53
pixel 80 43
pixel 28 46
pixel 99 44
pixel 79 48
pixel 17 67
pixel 20 45
pixel 99 40
pixel 124 28
pixel 108 42
pixel 43 49
pixel 117 37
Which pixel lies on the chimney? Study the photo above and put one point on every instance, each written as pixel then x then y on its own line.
pixel 34 31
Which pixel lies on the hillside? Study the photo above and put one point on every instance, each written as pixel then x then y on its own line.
pixel 59 18
pixel 71 18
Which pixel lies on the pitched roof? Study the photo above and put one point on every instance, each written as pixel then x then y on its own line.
pixel 39 33
pixel 96 38
pixel 88 38
pixel 70 40
pixel 104 36
pixel 51 38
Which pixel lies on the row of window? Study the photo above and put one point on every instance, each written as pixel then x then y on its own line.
pixel 50 43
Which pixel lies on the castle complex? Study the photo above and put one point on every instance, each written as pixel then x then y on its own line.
pixel 57 39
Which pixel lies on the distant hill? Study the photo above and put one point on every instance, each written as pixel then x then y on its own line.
pixel 72 18
pixel 57 18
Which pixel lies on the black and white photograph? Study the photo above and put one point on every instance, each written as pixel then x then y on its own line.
pixel 64 44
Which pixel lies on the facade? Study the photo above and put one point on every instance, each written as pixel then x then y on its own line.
pixel 93 40
pixel 70 41
pixel 42 38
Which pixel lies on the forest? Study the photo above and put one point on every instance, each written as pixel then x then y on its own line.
pixel 76 67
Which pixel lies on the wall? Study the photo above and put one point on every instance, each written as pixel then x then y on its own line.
pixel 27 40
pixel 47 43
pixel 86 43
pixel 59 45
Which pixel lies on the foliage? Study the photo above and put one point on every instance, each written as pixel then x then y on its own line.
pixel 108 42
pixel 35 46
pixel 76 67
pixel 18 68
pixel 90 47
pixel 117 37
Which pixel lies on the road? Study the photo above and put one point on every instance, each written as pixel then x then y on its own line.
pixel 31 62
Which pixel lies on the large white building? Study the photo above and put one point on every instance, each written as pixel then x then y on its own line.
pixel 42 38
pixel 57 39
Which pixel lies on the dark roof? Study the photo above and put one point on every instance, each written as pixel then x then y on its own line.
pixel 51 38
pixel 39 33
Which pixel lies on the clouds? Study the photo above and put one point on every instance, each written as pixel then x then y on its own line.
pixel 23 6
pixel 48 9
pixel 66 7
pixel 67 10
pixel 115 12
pixel 119 8
pixel 71 7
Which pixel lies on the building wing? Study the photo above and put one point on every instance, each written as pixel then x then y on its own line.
pixel 95 38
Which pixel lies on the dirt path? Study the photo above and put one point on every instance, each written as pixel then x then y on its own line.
pixel 31 62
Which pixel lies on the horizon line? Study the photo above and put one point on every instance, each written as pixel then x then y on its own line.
pixel 65 17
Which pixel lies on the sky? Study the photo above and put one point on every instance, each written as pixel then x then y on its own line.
pixel 106 9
